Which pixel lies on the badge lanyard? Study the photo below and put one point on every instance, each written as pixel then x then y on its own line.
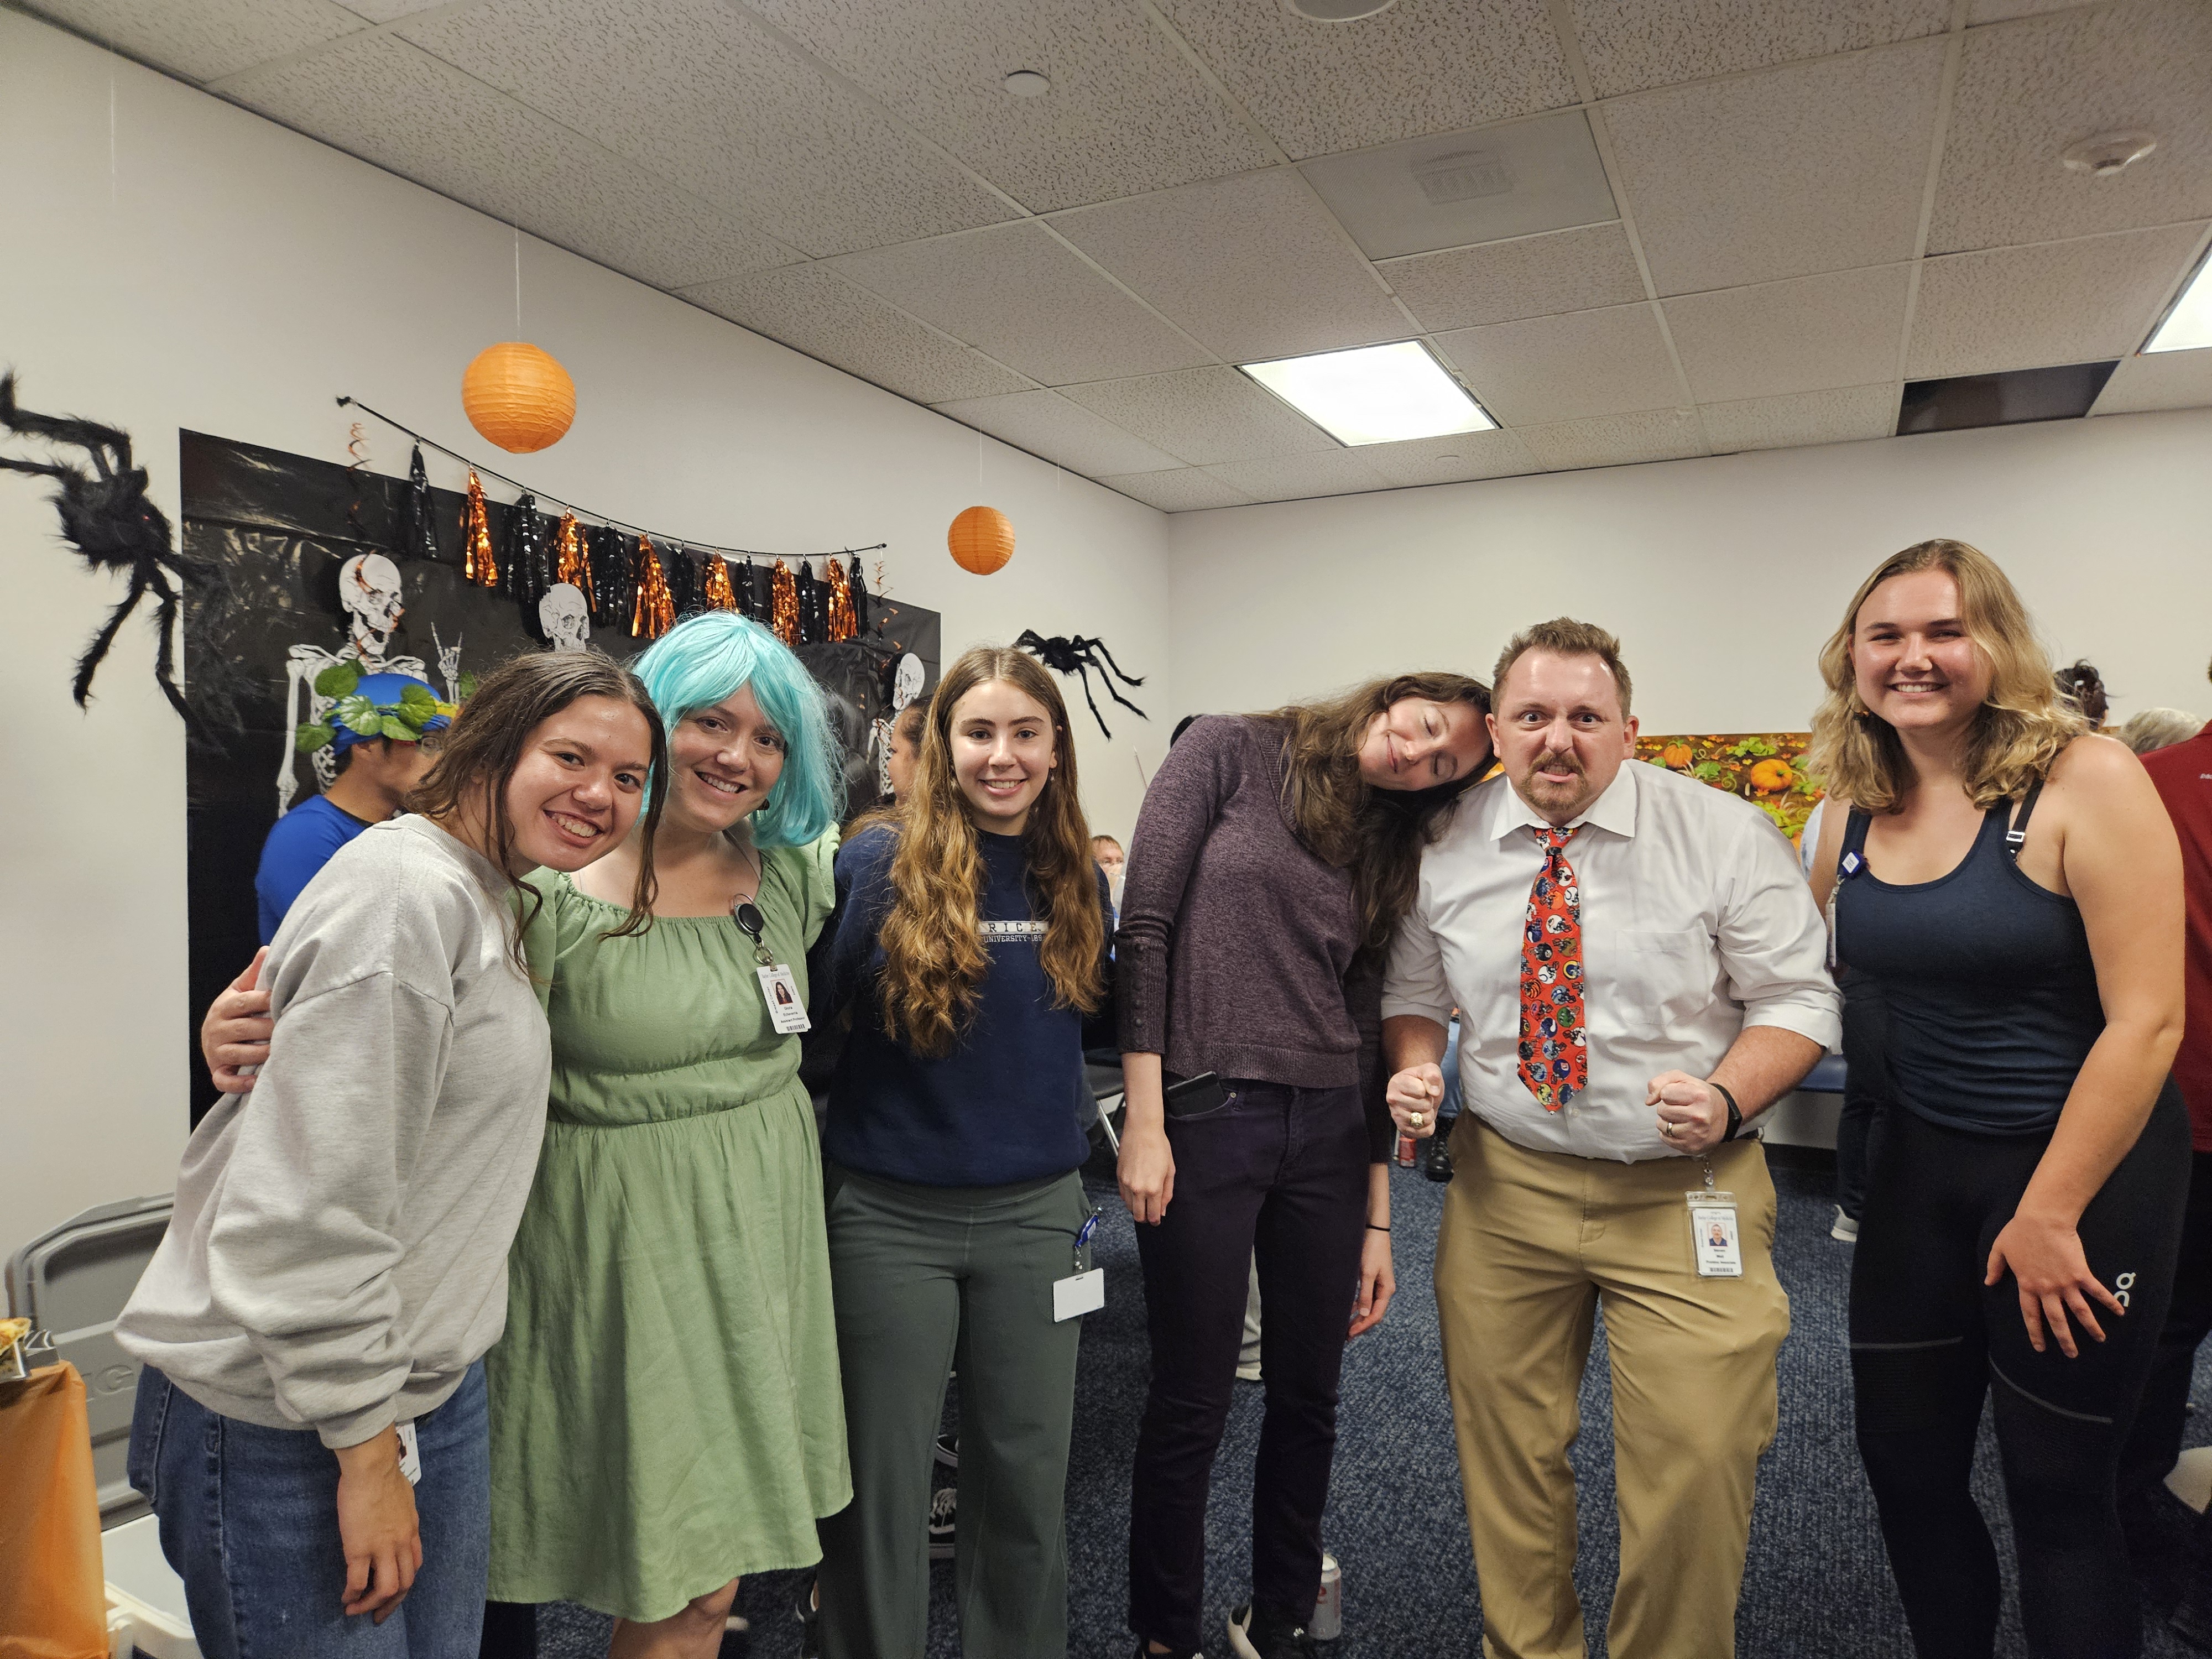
pixel 1081 1292
pixel 786 1007
pixel 1715 1244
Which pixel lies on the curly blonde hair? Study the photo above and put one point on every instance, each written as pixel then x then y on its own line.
pixel 2023 722
pixel 934 958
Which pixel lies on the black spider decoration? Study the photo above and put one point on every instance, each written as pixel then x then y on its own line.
pixel 1078 656
pixel 107 517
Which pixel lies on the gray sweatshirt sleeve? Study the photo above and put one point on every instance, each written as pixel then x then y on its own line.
pixel 304 1239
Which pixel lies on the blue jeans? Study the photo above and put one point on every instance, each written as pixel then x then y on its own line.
pixel 249 1520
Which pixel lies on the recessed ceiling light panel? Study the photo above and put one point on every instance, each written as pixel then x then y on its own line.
pixel 2187 324
pixel 1373 394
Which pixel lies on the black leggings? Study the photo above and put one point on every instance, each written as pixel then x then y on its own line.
pixel 1928 1340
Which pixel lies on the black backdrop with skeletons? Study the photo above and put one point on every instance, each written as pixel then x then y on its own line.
pixel 285 525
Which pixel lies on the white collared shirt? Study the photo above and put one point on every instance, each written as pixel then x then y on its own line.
pixel 1696 923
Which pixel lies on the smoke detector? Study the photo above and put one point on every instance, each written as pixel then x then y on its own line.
pixel 1336 11
pixel 2108 153
pixel 1027 83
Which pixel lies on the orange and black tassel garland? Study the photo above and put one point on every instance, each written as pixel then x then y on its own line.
pixel 720 595
pixel 478 563
pixel 783 603
pixel 573 562
pixel 656 609
pixel 843 623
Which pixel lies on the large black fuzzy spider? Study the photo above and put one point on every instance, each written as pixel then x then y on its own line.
pixel 1078 656
pixel 107 517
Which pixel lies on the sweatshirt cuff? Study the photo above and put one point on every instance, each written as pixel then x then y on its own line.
pixel 339 1432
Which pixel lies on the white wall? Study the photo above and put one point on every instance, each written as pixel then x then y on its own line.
pixel 234 277
pixel 1722 577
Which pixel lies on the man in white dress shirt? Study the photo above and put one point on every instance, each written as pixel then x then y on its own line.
pixel 1639 966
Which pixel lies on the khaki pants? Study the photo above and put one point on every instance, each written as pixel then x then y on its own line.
pixel 1531 1243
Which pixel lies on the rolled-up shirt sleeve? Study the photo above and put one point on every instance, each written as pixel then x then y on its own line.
pixel 1773 943
pixel 1414 982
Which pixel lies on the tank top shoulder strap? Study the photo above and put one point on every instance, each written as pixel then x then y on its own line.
pixel 1852 853
pixel 2016 836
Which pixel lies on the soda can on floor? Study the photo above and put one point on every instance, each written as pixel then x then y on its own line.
pixel 1328 1621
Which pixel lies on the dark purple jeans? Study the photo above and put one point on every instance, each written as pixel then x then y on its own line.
pixel 1283 1169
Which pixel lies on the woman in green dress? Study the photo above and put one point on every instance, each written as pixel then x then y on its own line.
pixel 666 1414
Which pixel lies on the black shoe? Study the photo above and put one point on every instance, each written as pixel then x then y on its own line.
pixel 943 1509
pixel 1266 1633
pixel 1438 1165
pixel 948 1450
pixel 2157 1526
pixel 809 1621
pixel 1145 1652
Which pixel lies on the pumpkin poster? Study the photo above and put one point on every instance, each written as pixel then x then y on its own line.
pixel 1767 769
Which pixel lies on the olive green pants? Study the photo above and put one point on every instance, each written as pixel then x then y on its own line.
pixel 926 1279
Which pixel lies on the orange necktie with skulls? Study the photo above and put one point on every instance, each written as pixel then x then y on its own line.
pixel 1554 1050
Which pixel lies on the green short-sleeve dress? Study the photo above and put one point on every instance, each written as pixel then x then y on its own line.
pixel 664 1405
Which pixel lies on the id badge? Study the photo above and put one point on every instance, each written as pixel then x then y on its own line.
pixel 410 1455
pixel 1713 1235
pixel 1080 1294
pixel 786 1009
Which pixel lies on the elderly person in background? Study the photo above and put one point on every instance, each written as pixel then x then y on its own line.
pixel 1658 952
pixel 2159 728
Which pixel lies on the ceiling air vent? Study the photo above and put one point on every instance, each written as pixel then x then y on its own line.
pixel 1462 177
pixel 2061 393
pixel 1336 11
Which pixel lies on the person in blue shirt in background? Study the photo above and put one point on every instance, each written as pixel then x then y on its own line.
pixel 375 774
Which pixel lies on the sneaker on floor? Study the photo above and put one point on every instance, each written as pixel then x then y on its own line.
pixel 942 1510
pixel 1248 1373
pixel 809 1621
pixel 1844 1227
pixel 948 1450
pixel 1262 1633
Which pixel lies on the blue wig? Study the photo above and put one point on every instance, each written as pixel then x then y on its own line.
pixel 698 663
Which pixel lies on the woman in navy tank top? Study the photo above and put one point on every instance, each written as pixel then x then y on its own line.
pixel 2012 883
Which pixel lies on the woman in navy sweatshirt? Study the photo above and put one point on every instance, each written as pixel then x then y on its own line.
pixel 971 942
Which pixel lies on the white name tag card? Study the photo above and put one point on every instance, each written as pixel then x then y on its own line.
pixel 1719 1249
pixel 1082 1293
pixel 786 1008
pixel 410 1455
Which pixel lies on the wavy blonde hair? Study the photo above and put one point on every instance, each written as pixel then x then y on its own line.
pixel 2023 722
pixel 934 956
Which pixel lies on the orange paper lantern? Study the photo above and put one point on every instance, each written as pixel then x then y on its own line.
pixel 982 539
pixel 518 397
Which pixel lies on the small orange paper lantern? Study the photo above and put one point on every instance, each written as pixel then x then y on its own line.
pixel 518 397
pixel 982 539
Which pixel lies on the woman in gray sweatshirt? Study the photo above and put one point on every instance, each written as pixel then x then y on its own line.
pixel 310 1425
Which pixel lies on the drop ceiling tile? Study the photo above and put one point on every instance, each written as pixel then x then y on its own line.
pixel 1185 490
pixel 206 39
pixel 1558 368
pixel 1840 328
pixel 2028 90
pixel 1657 434
pixel 1127 113
pixel 701 93
pixel 1657 43
pixel 1295 478
pixel 1995 11
pixel 1456 188
pixel 1045 424
pixel 1419 68
pixel 1528 276
pixel 1816 167
pixel 1016 293
pixel 2031 307
pixel 1253 266
pixel 815 311
pixel 1203 415
pixel 1453 460
pixel 2158 380
pixel 386 11
pixel 1840 415
pixel 385 101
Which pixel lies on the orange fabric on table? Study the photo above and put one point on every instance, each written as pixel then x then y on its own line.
pixel 53 1598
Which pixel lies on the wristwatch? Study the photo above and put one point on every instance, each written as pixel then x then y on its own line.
pixel 1735 1117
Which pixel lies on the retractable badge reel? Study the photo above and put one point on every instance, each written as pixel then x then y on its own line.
pixel 786 1007
pixel 1080 1293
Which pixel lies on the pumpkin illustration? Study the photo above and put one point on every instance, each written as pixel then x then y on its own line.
pixel 1675 756
pixel 1768 776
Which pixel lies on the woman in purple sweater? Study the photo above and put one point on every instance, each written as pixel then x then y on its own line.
pixel 1274 855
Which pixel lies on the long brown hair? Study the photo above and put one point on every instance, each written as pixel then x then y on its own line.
pixel 2023 722
pixel 934 956
pixel 486 744
pixel 1376 834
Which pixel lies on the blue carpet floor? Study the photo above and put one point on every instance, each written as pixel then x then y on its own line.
pixel 1816 1582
